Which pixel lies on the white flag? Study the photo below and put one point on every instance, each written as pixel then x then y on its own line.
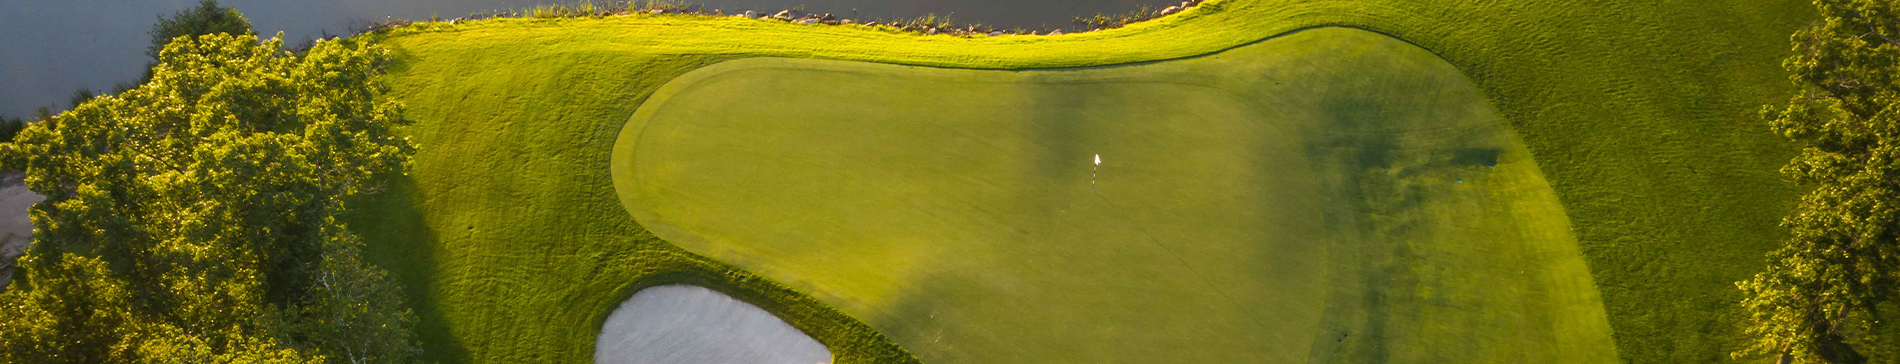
pixel 1098 159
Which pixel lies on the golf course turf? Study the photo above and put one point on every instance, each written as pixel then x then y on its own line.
pixel 513 245
pixel 1332 194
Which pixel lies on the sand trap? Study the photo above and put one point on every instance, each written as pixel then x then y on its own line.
pixel 692 324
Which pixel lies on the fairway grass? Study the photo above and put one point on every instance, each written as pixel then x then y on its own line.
pixel 513 246
pixel 1332 195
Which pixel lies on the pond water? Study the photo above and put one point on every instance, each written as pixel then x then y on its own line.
pixel 48 49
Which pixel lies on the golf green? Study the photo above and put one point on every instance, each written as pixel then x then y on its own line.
pixel 1329 195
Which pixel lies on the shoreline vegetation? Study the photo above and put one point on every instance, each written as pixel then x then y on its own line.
pixel 929 24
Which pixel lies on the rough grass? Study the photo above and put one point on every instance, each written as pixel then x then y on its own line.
pixel 1640 114
pixel 1331 195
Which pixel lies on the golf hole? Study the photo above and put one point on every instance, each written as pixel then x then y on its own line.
pixel 692 324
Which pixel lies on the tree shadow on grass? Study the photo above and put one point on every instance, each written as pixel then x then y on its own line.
pixel 397 239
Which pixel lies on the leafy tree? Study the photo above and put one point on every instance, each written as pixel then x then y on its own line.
pixel 194 218
pixel 10 127
pixel 80 96
pixel 1822 290
pixel 206 19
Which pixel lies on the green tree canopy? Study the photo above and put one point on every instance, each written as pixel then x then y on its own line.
pixel 205 19
pixel 193 219
pixel 1823 289
pixel 10 127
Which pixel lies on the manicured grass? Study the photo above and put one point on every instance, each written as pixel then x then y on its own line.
pixel 1331 195
pixel 1639 113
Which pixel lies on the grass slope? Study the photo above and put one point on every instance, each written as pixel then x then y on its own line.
pixel 1638 112
pixel 1333 195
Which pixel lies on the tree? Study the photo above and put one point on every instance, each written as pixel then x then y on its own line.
pixel 1823 288
pixel 80 96
pixel 10 127
pixel 194 218
pixel 206 19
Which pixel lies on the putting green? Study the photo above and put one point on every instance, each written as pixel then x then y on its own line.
pixel 1330 195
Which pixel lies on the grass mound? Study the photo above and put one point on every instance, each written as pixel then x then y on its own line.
pixel 1332 195
pixel 514 246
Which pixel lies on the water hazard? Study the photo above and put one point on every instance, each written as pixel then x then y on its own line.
pixel 49 49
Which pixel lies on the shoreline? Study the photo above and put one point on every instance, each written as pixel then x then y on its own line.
pixel 930 24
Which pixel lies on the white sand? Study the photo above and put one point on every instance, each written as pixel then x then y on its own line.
pixel 692 324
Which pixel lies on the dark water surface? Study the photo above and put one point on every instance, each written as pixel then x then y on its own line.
pixel 49 48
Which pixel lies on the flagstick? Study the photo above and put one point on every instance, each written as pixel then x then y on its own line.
pixel 1093 170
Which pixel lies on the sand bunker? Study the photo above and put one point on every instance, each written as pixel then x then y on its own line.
pixel 692 324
